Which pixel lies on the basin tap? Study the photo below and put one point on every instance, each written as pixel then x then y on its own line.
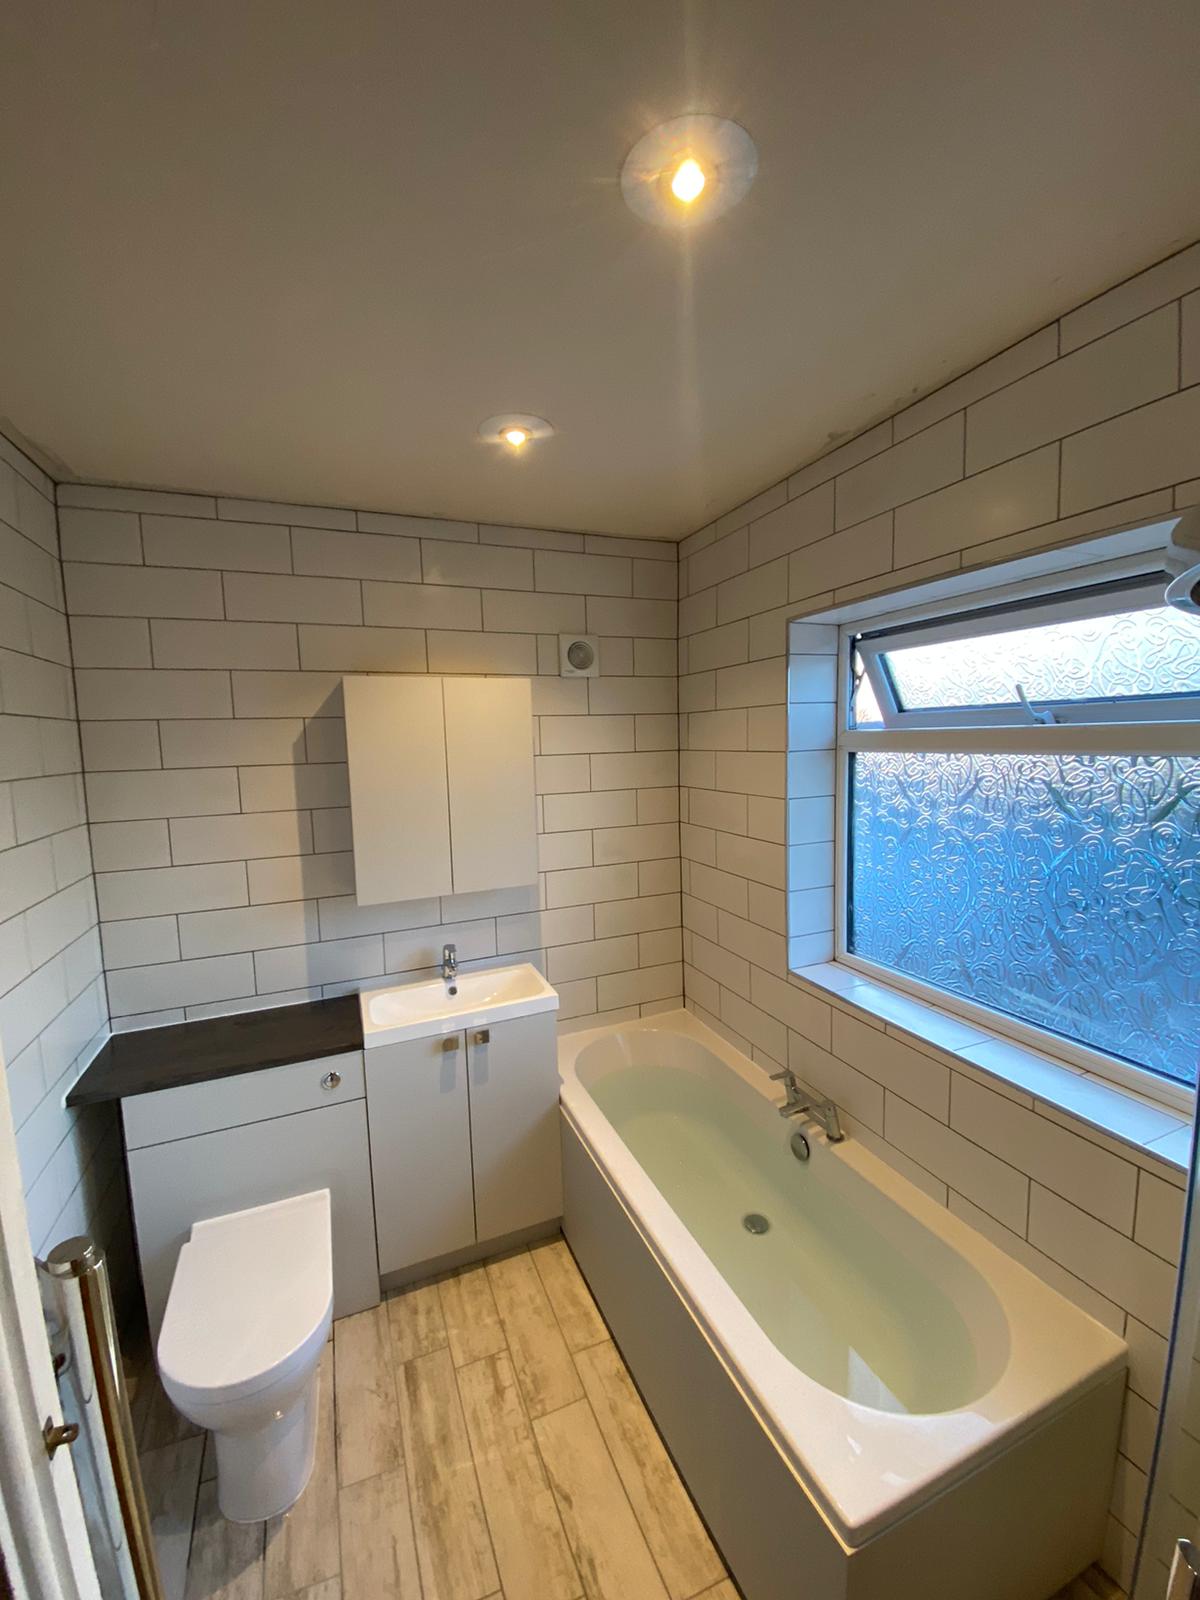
pixel 450 967
pixel 795 1105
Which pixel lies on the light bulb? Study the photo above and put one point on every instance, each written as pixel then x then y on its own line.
pixel 688 181
pixel 515 437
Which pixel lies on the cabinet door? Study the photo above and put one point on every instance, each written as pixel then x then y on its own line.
pixel 396 748
pixel 211 1174
pixel 514 1125
pixel 420 1149
pixel 489 757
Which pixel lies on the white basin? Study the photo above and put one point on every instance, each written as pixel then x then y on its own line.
pixel 419 1010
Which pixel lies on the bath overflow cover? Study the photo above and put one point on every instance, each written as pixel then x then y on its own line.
pixel 755 1223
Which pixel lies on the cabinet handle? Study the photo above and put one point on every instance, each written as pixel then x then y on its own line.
pixel 331 1080
pixel 450 1042
pixel 483 1036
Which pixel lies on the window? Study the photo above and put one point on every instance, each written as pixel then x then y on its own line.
pixel 1019 795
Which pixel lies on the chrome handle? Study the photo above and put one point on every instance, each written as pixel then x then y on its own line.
pixel 331 1080
pixel 483 1036
pixel 450 1042
pixel 778 1077
pixel 1184 1582
pixel 56 1434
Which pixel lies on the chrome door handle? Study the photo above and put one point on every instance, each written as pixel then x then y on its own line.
pixel 331 1080
pixel 450 1042
pixel 483 1036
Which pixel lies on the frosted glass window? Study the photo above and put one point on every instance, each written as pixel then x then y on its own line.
pixel 1151 651
pixel 1060 889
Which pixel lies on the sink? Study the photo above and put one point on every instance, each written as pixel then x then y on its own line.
pixel 419 1010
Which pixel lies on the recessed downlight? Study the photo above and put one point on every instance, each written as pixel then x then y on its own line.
pixel 514 431
pixel 688 170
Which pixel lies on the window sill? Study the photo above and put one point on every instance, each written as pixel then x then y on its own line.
pixel 1132 1120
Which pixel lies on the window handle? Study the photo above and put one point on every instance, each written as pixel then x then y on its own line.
pixel 1044 718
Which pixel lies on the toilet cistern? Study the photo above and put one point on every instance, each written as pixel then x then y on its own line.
pixel 450 967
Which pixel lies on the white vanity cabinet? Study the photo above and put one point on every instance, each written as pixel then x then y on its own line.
pixel 205 1149
pixel 464 1138
pixel 441 785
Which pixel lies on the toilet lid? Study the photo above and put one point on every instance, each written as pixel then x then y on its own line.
pixel 250 1289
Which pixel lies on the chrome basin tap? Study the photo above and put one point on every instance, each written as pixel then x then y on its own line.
pixel 823 1112
pixel 450 966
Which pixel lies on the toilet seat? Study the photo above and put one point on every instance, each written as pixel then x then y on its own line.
pixel 251 1298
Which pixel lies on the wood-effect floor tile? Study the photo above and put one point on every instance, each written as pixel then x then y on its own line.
pixel 527 1534
pixel 540 1356
pixel 720 1591
pixel 208 1463
pixel 226 1562
pixel 453 1545
pixel 302 1547
pixel 368 1419
pixel 331 1589
pixel 171 1478
pixel 160 1422
pixel 677 1538
pixel 473 1324
pixel 613 1558
pixel 415 1314
pixel 580 1321
pixel 379 1554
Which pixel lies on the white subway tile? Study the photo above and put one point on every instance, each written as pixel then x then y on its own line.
pixel 558 851
pixel 482 652
pixel 1160 1208
pixel 636 988
pixel 1027 355
pixel 644 769
pixel 420 605
pixel 1164 281
pixel 416 948
pixel 95 535
pixel 248 928
pixel 418 527
pixel 591 884
pixel 1019 494
pixel 1135 364
pixel 1157 444
pixel 166 889
pixel 300 966
pixel 583 574
pixel 293 788
pixel 134 694
pixel 108 498
pixel 118 845
pixel 201 542
pixel 356 555
pixel 177 983
pixel 915 467
pixel 605 808
pixel 237 838
pixel 120 746
pixel 222 644
pixel 297 515
pixel 114 591
pixel 521 612
pixel 1120 1269
pixel 629 618
pixel 863 549
pixel 233 742
pixel 485 567
pixel 840 460
pixel 287 694
pixel 299 877
pixel 194 792
pixel 643 843
pixel 111 642
pixel 140 941
pixel 357 649
pixel 267 597
pixel 1000 1189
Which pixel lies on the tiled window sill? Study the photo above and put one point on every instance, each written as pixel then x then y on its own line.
pixel 1132 1120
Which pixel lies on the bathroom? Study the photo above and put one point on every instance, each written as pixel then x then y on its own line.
pixel 599 885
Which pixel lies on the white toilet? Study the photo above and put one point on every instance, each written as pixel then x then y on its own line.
pixel 250 1309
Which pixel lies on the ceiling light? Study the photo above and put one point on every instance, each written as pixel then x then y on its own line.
pixel 688 182
pixel 513 430
pixel 688 170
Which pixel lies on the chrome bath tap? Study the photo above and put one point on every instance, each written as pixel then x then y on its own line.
pixel 823 1112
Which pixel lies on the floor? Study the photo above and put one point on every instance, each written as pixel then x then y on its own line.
pixel 479 1439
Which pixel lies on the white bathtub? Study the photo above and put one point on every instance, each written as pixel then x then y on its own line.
pixel 888 1353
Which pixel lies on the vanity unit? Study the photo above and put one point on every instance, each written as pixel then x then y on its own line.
pixel 430 1117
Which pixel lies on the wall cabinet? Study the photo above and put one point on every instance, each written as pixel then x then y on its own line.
pixel 441 785
pixel 464 1138
pixel 205 1149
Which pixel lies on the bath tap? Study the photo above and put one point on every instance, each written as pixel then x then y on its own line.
pixel 450 967
pixel 821 1111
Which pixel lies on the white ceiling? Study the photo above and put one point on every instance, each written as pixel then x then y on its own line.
pixel 299 249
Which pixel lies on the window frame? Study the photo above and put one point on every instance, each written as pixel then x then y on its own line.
pixel 1143 729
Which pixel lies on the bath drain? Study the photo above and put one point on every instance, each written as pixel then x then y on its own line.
pixel 755 1223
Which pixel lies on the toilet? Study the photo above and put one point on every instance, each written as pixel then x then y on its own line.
pixel 250 1309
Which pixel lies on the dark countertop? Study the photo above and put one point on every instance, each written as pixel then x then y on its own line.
pixel 219 1047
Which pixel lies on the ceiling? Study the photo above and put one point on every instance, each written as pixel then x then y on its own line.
pixel 299 250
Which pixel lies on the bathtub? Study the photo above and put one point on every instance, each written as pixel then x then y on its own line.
pixel 866 1399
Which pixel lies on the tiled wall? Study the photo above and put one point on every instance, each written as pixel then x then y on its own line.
pixel 52 1006
pixel 210 637
pixel 1088 424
